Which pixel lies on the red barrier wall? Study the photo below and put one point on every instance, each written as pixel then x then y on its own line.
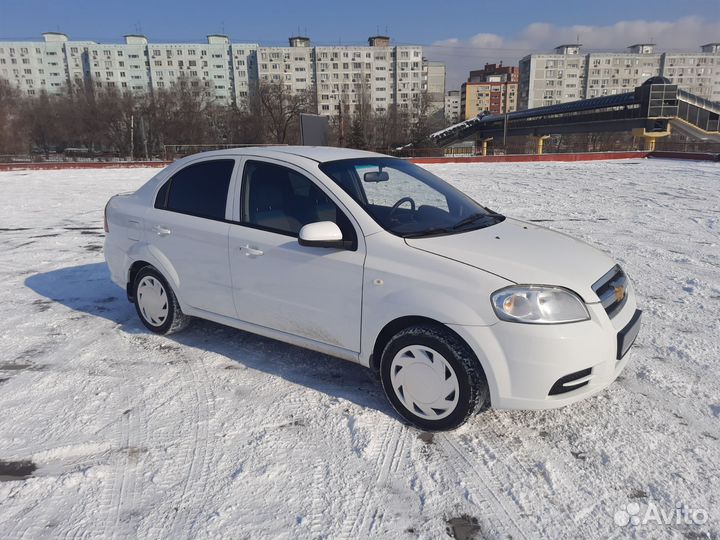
pixel 53 165
pixel 696 156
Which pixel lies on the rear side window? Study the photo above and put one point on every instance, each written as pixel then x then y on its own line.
pixel 161 198
pixel 198 190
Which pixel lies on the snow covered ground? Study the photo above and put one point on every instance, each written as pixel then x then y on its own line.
pixel 215 433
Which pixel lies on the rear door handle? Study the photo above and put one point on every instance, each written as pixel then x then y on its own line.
pixel 251 251
pixel 161 230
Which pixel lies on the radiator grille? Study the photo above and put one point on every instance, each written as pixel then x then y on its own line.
pixel 612 290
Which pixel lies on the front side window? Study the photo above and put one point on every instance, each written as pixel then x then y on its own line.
pixel 407 200
pixel 282 200
pixel 199 190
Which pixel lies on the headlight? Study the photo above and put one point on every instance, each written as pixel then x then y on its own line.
pixel 539 305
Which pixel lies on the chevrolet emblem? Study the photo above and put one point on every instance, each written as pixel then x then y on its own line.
pixel 619 293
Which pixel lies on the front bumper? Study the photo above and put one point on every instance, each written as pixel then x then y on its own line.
pixel 545 366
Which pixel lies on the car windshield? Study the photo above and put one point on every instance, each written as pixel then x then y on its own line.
pixel 407 200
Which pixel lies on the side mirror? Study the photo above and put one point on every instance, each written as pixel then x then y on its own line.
pixel 376 176
pixel 322 234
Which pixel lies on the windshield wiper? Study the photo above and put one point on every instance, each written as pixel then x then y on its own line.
pixel 472 219
pixel 429 232
pixel 494 218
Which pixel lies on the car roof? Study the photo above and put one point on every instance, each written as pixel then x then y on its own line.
pixel 321 154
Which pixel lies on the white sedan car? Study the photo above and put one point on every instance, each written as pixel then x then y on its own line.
pixel 375 260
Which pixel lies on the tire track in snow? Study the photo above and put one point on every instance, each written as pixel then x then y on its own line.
pixel 554 488
pixel 19 530
pixel 109 504
pixel 179 524
pixel 132 454
pixel 319 504
pixel 365 512
pixel 124 474
pixel 355 511
pixel 120 478
pixel 391 465
pixel 477 480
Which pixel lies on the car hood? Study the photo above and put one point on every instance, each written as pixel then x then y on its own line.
pixel 524 253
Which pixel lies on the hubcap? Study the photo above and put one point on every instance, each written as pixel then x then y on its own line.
pixel 152 300
pixel 424 382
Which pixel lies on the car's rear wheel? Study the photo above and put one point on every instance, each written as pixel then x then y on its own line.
pixel 156 303
pixel 432 378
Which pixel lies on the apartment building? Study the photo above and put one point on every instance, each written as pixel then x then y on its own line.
pixel 498 71
pixel 434 85
pixel 698 73
pixel 569 75
pixel 218 70
pixel 293 66
pixel 357 78
pixel 349 78
pixel 124 67
pixel 207 69
pixel 491 90
pixel 452 106
pixel 47 66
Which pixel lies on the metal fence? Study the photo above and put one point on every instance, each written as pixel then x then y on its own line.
pixel 515 146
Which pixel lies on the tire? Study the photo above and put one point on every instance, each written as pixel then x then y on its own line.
pixel 432 378
pixel 156 303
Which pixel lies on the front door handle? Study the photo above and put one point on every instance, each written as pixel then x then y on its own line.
pixel 161 230
pixel 251 251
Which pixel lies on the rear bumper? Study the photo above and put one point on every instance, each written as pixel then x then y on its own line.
pixel 548 366
pixel 118 263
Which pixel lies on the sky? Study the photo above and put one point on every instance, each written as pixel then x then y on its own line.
pixel 463 34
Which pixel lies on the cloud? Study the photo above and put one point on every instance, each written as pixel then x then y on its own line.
pixel 486 41
pixel 463 54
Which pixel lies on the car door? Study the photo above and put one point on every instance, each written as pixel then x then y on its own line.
pixel 188 229
pixel 312 292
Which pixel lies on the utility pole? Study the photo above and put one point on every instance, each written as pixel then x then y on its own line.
pixel 132 137
pixel 505 127
pixel 341 127
pixel 144 137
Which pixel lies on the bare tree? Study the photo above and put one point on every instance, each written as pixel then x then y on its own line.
pixel 12 137
pixel 101 119
pixel 180 115
pixel 424 121
pixel 236 125
pixel 281 109
pixel 41 119
pixel 116 111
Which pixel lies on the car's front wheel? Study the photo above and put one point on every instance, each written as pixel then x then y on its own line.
pixel 432 378
pixel 156 304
